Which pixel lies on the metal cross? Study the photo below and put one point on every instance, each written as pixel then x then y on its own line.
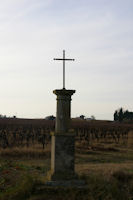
pixel 64 59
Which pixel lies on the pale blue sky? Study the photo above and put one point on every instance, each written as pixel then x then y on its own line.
pixel 97 33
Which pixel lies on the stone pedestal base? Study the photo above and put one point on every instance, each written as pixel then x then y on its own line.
pixel 62 157
pixel 67 183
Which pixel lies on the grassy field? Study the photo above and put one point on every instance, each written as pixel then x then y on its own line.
pixel 105 164
pixel 106 168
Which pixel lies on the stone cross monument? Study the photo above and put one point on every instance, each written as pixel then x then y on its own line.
pixel 63 140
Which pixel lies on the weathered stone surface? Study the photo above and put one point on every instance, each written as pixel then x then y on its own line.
pixel 63 113
pixel 67 183
pixel 63 141
pixel 62 156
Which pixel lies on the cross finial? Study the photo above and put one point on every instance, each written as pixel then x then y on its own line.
pixel 64 59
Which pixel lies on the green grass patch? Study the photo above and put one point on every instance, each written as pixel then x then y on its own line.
pixel 118 187
pixel 22 190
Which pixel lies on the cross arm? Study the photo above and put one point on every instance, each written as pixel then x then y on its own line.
pixel 64 59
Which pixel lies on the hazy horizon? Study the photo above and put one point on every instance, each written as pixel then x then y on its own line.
pixel 97 34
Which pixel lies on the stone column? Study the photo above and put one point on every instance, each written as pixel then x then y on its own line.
pixel 63 141
pixel 63 112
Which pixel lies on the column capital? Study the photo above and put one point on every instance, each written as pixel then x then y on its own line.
pixel 64 92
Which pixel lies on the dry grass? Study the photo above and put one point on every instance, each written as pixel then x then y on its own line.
pixel 24 152
pixel 103 164
pixel 105 169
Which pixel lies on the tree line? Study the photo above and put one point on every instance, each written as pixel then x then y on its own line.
pixel 121 115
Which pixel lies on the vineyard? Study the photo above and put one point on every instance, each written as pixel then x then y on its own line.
pixel 36 133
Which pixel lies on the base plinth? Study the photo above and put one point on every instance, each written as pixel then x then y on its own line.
pixel 66 183
pixel 62 157
pixel 64 180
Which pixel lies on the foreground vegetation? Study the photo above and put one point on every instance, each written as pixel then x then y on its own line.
pixel 107 170
pixel 105 163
